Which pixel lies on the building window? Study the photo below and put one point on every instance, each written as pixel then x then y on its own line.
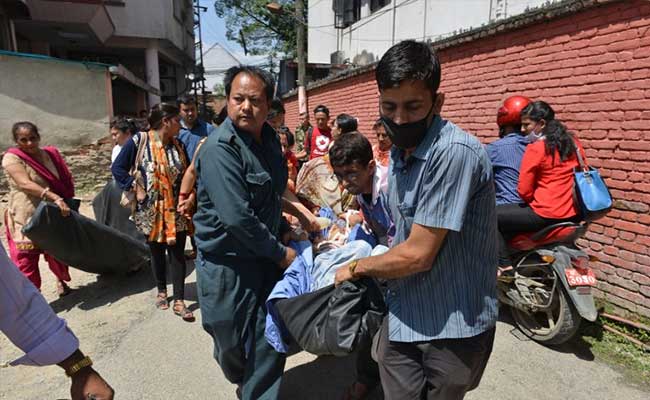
pixel 346 12
pixel 377 4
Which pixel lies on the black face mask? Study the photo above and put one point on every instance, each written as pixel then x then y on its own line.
pixel 408 135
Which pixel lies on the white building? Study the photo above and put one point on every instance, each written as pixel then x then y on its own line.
pixel 360 31
pixel 217 59
pixel 150 43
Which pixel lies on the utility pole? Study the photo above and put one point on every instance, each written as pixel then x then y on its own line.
pixel 199 69
pixel 299 16
pixel 394 17
pixel 302 57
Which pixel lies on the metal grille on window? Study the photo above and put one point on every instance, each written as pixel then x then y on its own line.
pixel 377 4
pixel 346 12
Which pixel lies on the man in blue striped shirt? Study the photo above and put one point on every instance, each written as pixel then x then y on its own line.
pixel 441 269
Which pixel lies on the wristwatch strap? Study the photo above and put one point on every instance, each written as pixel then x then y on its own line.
pixel 79 365
pixel 352 267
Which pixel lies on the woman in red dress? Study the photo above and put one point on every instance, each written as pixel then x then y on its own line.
pixel 545 178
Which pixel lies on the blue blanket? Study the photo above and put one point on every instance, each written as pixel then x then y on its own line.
pixel 296 281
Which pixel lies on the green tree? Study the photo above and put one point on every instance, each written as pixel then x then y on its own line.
pixel 255 28
pixel 219 90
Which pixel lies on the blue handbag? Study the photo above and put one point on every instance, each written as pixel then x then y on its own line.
pixel 590 192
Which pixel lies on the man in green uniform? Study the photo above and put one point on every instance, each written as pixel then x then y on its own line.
pixel 242 180
pixel 301 132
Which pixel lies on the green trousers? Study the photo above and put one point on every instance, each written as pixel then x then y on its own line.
pixel 232 293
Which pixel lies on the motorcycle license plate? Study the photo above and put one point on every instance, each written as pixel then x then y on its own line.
pixel 580 277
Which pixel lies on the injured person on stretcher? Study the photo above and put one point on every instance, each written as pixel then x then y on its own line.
pixel 306 307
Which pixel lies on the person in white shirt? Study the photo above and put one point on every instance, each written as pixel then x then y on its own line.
pixel 121 130
pixel 29 322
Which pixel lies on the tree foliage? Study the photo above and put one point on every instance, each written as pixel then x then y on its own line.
pixel 249 23
pixel 219 90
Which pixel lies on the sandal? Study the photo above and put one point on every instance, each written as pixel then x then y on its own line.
pixel 504 271
pixel 182 311
pixel 356 391
pixel 190 255
pixel 161 301
pixel 62 289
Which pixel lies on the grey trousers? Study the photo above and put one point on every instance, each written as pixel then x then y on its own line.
pixel 231 294
pixel 439 369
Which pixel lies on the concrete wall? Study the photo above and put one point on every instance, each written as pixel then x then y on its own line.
pixel 367 39
pixel 155 19
pixel 68 101
pixel 593 67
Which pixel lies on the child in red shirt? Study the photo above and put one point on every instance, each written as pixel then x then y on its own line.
pixel 318 139
pixel 287 141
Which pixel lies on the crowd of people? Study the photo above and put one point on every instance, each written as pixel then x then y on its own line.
pixel 442 205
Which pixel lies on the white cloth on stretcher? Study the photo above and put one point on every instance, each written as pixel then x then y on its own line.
pixel 325 264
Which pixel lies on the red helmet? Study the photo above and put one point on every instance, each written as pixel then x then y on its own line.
pixel 509 112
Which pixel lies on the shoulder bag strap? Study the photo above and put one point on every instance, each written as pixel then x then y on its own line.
pixel 142 144
pixel 310 133
pixel 581 161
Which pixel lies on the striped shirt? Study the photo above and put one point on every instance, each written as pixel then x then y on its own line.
pixel 505 155
pixel 446 183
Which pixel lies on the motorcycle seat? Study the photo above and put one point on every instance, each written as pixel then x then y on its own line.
pixel 563 232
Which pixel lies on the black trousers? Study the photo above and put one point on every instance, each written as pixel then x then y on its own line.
pixel 177 267
pixel 519 218
pixel 367 368
pixel 439 369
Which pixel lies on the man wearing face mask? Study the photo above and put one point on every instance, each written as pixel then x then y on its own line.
pixel 506 153
pixel 437 337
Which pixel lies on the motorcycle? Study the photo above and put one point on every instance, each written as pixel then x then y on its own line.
pixel 549 287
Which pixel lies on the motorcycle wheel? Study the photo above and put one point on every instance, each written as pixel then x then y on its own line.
pixel 553 326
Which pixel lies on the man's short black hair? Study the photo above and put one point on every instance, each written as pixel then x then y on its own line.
pixel 323 109
pixel 408 60
pixel 264 76
pixel 276 108
pixel 350 148
pixel 186 99
pixel 346 123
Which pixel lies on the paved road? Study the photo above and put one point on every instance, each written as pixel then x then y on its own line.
pixel 149 354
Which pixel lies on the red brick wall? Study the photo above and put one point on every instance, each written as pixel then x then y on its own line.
pixel 357 96
pixel 593 67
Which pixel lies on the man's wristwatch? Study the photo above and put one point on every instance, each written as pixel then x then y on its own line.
pixel 79 365
pixel 353 266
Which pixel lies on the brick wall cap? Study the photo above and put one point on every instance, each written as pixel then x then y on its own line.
pixel 533 16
